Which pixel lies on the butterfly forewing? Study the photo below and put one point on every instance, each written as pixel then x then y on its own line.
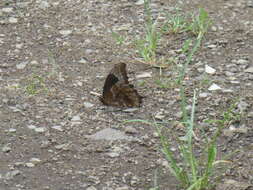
pixel 117 91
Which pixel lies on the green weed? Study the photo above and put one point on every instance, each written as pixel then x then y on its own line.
pixel 35 85
pixel 147 46
pixel 118 38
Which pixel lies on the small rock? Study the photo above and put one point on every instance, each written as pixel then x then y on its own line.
pixel 7 9
pixel 13 20
pixel 12 174
pixel 242 61
pixel 203 95
pixel 31 126
pixel 83 61
pixel 44 5
pixel 6 148
pixel 58 128
pixel 62 146
pixel 65 32
pixel 21 65
pixel 29 165
pixel 40 129
pixel 214 87
pixel 109 134
pixel 113 154
pixel 242 105
pixel 140 2
pixel 12 130
pixel 249 70
pixel 129 110
pixel 76 118
pixel 144 75
pixel 160 116
pixel 124 27
pixel 130 130
pixel 88 105
pixel 209 70
pixel 212 46
pixel 35 160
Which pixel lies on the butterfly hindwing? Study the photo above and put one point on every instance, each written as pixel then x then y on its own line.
pixel 117 91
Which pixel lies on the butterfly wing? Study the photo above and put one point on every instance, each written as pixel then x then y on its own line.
pixel 117 91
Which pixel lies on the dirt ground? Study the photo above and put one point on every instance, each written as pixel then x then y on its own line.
pixel 56 54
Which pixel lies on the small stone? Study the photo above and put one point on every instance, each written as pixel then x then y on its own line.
pixel 130 130
pixel 21 65
pixel 29 165
pixel 113 154
pixel 12 174
pixel 144 75
pixel 58 128
pixel 44 5
pixel 88 105
pixel 12 130
pixel 109 134
pixel 40 129
pixel 7 9
pixel 65 32
pixel 124 27
pixel 140 2
pixel 6 148
pixel 242 61
pixel 203 95
pixel 76 118
pixel 249 70
pixel 212 46
pixel 83 61
pixel 214 87
pixel 62 146
pixel 209 70
pixel 160 116
pixel 31 126
pixel 35 160
pixel 13 20
pixel 129 110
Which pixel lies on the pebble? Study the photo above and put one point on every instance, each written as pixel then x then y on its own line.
pixel 7 9
pixel 21 65
pixel 13 20
pixel 40 129
pixel 65 32
pixel 113 154
pixel 242 61
pixel 139 2
pixel 203 95
pixel 144 75
pixel 43 5
pixel 109 134
pixel 76 118
pixel 130 130
pixel 58 128
pixel 29 165
pixel 88 105
pixel 209 70
pixel 214 87
pixel 249 70
pixel 12 174
pixel 35 160
pixel 6 148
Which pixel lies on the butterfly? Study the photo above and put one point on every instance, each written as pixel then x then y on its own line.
pixel 117 91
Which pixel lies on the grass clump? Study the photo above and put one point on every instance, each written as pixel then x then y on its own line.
pixel 147 46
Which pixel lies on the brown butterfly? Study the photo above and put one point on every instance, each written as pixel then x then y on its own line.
pixel 117 91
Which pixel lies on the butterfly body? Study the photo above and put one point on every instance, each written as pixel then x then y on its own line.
pixel 117 91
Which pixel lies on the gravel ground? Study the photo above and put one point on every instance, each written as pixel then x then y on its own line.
pixel 54 132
